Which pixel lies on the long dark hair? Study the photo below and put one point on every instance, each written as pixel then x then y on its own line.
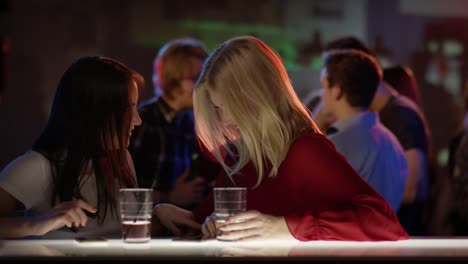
pixel 87 115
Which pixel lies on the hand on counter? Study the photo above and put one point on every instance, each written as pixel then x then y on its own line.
pixel 253 225
pixel 179 221
pixel 71 214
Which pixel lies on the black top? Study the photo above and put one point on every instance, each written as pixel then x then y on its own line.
pixel 404 119
pixel 401 116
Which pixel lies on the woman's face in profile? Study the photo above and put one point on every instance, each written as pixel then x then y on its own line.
pixel 131 118
pixel 225 119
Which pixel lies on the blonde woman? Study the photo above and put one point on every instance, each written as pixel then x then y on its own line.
pixel 299 187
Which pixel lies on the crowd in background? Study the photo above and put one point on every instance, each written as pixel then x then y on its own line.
pixel 357 160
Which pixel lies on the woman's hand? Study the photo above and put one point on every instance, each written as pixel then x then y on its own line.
pixel 209 227
pixel 253 225
pixel 179 221
pixel 70 214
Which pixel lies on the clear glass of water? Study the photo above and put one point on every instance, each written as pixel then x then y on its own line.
pixel 228 201
pixel 136 210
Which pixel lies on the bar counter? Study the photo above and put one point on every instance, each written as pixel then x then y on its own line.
pixel 441 250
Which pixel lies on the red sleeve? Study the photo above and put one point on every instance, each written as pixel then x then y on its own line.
pixel 341 205
pixel 209 166
pixel 204 209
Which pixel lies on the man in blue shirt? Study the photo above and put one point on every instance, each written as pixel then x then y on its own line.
pixel 349 80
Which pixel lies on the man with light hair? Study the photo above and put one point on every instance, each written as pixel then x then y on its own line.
pixel 165 146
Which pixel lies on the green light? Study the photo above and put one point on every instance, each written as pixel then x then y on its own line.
pixel 213 33
pixel 316 63
pixel 246 29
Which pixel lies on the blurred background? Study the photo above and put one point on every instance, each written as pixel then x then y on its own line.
pixel 40 38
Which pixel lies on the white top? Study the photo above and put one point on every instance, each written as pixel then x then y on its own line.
pixel 29 180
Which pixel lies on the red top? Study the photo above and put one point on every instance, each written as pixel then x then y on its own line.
pixel 320 195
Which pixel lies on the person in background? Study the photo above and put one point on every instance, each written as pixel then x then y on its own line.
pixel 407 122
pixel 402 79
pixel 249 116
pixel 164 148
pixel 67 184
pixel 451 217
pixel 349 80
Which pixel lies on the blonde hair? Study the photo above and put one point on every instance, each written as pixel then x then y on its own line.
pixel 267 116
